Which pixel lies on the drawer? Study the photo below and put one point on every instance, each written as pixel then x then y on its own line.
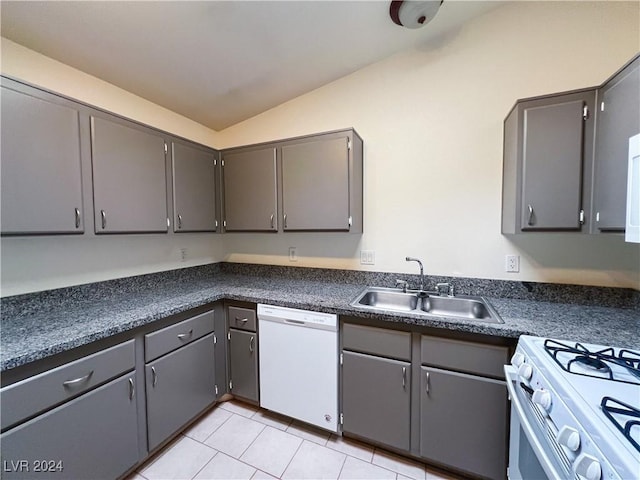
pixel 168 339
pixel 40 392
pixel 464 356
pixel 377 341
pixel 242 318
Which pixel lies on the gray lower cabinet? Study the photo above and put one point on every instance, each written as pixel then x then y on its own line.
pixel 463 421
pixel 194 189
pixel 243 364
pixel 94 436
pixel 376 397
pixel 41 171
pixel 548 145
pixel 250 190
pixel 618 118
pixel 179 385
pixel 129 178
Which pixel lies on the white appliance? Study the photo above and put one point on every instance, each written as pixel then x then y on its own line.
pixel 632 230
pixel 575 411
pixel 299 364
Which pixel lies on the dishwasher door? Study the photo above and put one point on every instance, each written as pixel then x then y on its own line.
pixel 299 364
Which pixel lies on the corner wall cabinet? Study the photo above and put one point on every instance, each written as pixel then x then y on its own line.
pixel 617 119
pixel 41 169
pixel 547 147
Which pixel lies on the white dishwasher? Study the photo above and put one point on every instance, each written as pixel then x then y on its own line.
pixel 299 364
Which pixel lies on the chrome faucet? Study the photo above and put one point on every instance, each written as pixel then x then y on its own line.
pixel 411 259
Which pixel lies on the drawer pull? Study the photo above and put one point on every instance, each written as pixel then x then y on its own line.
pixel 251 342
pixel 154 377
pixel 132 389
pixel 179 222
pixel 404 378
pixel 77 381
pixel 272 221
pixel 184 336
pixel 285 220
pixel 242 320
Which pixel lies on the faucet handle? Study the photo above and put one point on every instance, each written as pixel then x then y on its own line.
pixel 402 283
pixel 444 287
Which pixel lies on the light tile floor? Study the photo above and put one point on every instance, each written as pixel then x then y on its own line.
pixel 236 440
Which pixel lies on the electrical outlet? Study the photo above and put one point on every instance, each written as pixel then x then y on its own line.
pixel 293 254
pixel 183 254
pixel 512 263
pixel 367 257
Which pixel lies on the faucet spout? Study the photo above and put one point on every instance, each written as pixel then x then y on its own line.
pixel 412 259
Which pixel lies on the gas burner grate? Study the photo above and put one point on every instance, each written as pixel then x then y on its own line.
pixel 611 406
pixel 599 362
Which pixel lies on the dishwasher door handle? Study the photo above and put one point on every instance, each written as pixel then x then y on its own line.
pixel 294 322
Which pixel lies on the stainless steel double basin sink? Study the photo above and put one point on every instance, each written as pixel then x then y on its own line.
pixel 427 303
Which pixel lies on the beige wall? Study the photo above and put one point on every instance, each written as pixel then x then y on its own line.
pixel 37 263
pixel 431 120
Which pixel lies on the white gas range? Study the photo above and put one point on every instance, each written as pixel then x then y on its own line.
pixel 575 411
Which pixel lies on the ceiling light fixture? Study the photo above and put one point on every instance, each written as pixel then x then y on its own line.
pixel 414 13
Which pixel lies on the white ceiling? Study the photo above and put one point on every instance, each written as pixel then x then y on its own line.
pixel 216 62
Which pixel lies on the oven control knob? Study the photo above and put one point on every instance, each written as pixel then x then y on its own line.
pixel 587 467
pixel 517 359
pixel 525 371
pixel 569 437
pixel 542 398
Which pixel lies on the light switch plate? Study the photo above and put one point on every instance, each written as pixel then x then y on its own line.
pixel 293 254
pixel 367 257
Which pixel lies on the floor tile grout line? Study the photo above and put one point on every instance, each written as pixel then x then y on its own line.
pixel 264 427
pixel 343 464
pixel 292 457
pixel 216 429
pixel 210 460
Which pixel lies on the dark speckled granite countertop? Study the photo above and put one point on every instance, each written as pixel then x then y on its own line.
pixel 36 326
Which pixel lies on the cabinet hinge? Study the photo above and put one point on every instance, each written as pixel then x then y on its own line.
pixel 230 384
pixel 341 359
pixel 348 144
pixel 166 148
pixel 585 113
pixel 216 388
pixel 229 336
pixel 602 106
pixel 342 419
pixel 581 217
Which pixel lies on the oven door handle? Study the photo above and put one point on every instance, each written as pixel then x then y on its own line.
pixel 547 463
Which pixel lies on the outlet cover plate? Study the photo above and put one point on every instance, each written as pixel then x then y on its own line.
pixel 512 263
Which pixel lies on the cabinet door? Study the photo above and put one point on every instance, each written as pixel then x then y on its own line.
pixel 552 166
pixel 376 399
pixel 315 185
pixel 463 421
pixel 194 189
pixel 250 190
pixel 92 436
pixel 243 358
pixel 179 386
pixel 618 120
pixel 129 179
pixel 41 173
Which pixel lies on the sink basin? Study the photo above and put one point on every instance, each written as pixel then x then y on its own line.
pixel 426 303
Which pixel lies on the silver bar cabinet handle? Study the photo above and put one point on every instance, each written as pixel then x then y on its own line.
pixel 251 343
pixel 285 220
pixel 530 218
pixel 132 389
pixel 154 377
pixel 184 336
pixel 404 378
pixel 103 214
pixel 243 320
pixel 272 220
pixel 179 221
pixel 77 218
pixel 427 383
pixel 76 381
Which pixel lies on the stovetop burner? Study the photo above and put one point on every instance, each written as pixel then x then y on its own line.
pixel 625 417
pixel 604 363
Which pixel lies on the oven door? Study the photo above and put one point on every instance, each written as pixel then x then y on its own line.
pixel 530 454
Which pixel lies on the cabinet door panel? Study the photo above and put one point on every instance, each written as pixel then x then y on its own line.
pixel 552 166
pixel 179 386
pixel 464 421
pixel 243 358
pixel 93 436
pixel 250 192
pixel 41 173
pixel 619 121
pixel 129 179
pixel 315 185
pixel 194 189
pixel 376 399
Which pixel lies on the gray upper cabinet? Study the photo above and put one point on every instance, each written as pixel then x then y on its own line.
pixel 315 185
pixel 250 190
pixel 41 170
pixel 194 189
pixel 129 178
pixel 548 146
pixel 617 119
